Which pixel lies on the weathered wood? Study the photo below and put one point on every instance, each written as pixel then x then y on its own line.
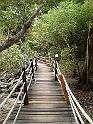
pixel 44 118
pixel 43 123
pixel 64 89
pixel 25 87
pixel 65 113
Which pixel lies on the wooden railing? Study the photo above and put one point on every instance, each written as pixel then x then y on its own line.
pixel 24 88
pixel 78 111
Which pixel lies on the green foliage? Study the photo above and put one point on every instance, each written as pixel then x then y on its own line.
pixel 16 57
pixel 10 59
pixel 14 14
pixel 64 27
pixel 67 60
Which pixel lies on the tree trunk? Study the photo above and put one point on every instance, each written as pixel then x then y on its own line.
pixel 84 79
pixel 15 38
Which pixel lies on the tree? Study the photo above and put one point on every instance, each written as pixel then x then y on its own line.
pixel 13 39
pixel 67 27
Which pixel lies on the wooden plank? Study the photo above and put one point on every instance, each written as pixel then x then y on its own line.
pixel 64 88
pixel 10 122
pixel 65 113
pixel 51 102
pixel 44 118
pixel 45 109
pixel 46 91
pixel 45 96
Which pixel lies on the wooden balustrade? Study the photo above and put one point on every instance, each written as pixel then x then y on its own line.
pixel 60 77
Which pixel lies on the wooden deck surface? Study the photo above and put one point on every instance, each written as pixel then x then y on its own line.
pixel 46 102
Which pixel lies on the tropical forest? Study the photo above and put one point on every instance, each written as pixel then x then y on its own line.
pixel 42 29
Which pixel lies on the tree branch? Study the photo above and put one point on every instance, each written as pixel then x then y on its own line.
pixel 15 38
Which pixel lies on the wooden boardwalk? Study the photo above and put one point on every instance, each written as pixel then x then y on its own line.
pixel 46 102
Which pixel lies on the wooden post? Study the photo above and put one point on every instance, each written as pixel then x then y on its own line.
pixel 35 64
pixel 25 87
pixel 55 69
pixel 55 74
pixel 64 89
pixel 32 67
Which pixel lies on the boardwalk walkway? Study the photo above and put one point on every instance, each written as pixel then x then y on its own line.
pixel 46 102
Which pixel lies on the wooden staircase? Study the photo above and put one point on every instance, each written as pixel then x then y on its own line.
pixel 46 102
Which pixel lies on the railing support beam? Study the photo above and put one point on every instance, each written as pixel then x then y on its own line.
pixel 60 77
pixel 25 87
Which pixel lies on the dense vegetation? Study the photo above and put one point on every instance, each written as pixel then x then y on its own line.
pixel 13 15
pixel 67 30
pixel 62 26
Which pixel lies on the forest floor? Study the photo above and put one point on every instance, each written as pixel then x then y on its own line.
pixel 85 98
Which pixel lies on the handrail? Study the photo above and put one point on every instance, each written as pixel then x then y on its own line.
pixel 19 109
pixel 77 103
pixel 11 110
pixel 74 103
pixel 24 96
pixel 76 111
pixel 61 81
pixel 23 99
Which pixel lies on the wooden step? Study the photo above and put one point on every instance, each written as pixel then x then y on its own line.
pixel 43 118
pixel 46 97
pixel 44 113
pixel 27 109
pixel 10 122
